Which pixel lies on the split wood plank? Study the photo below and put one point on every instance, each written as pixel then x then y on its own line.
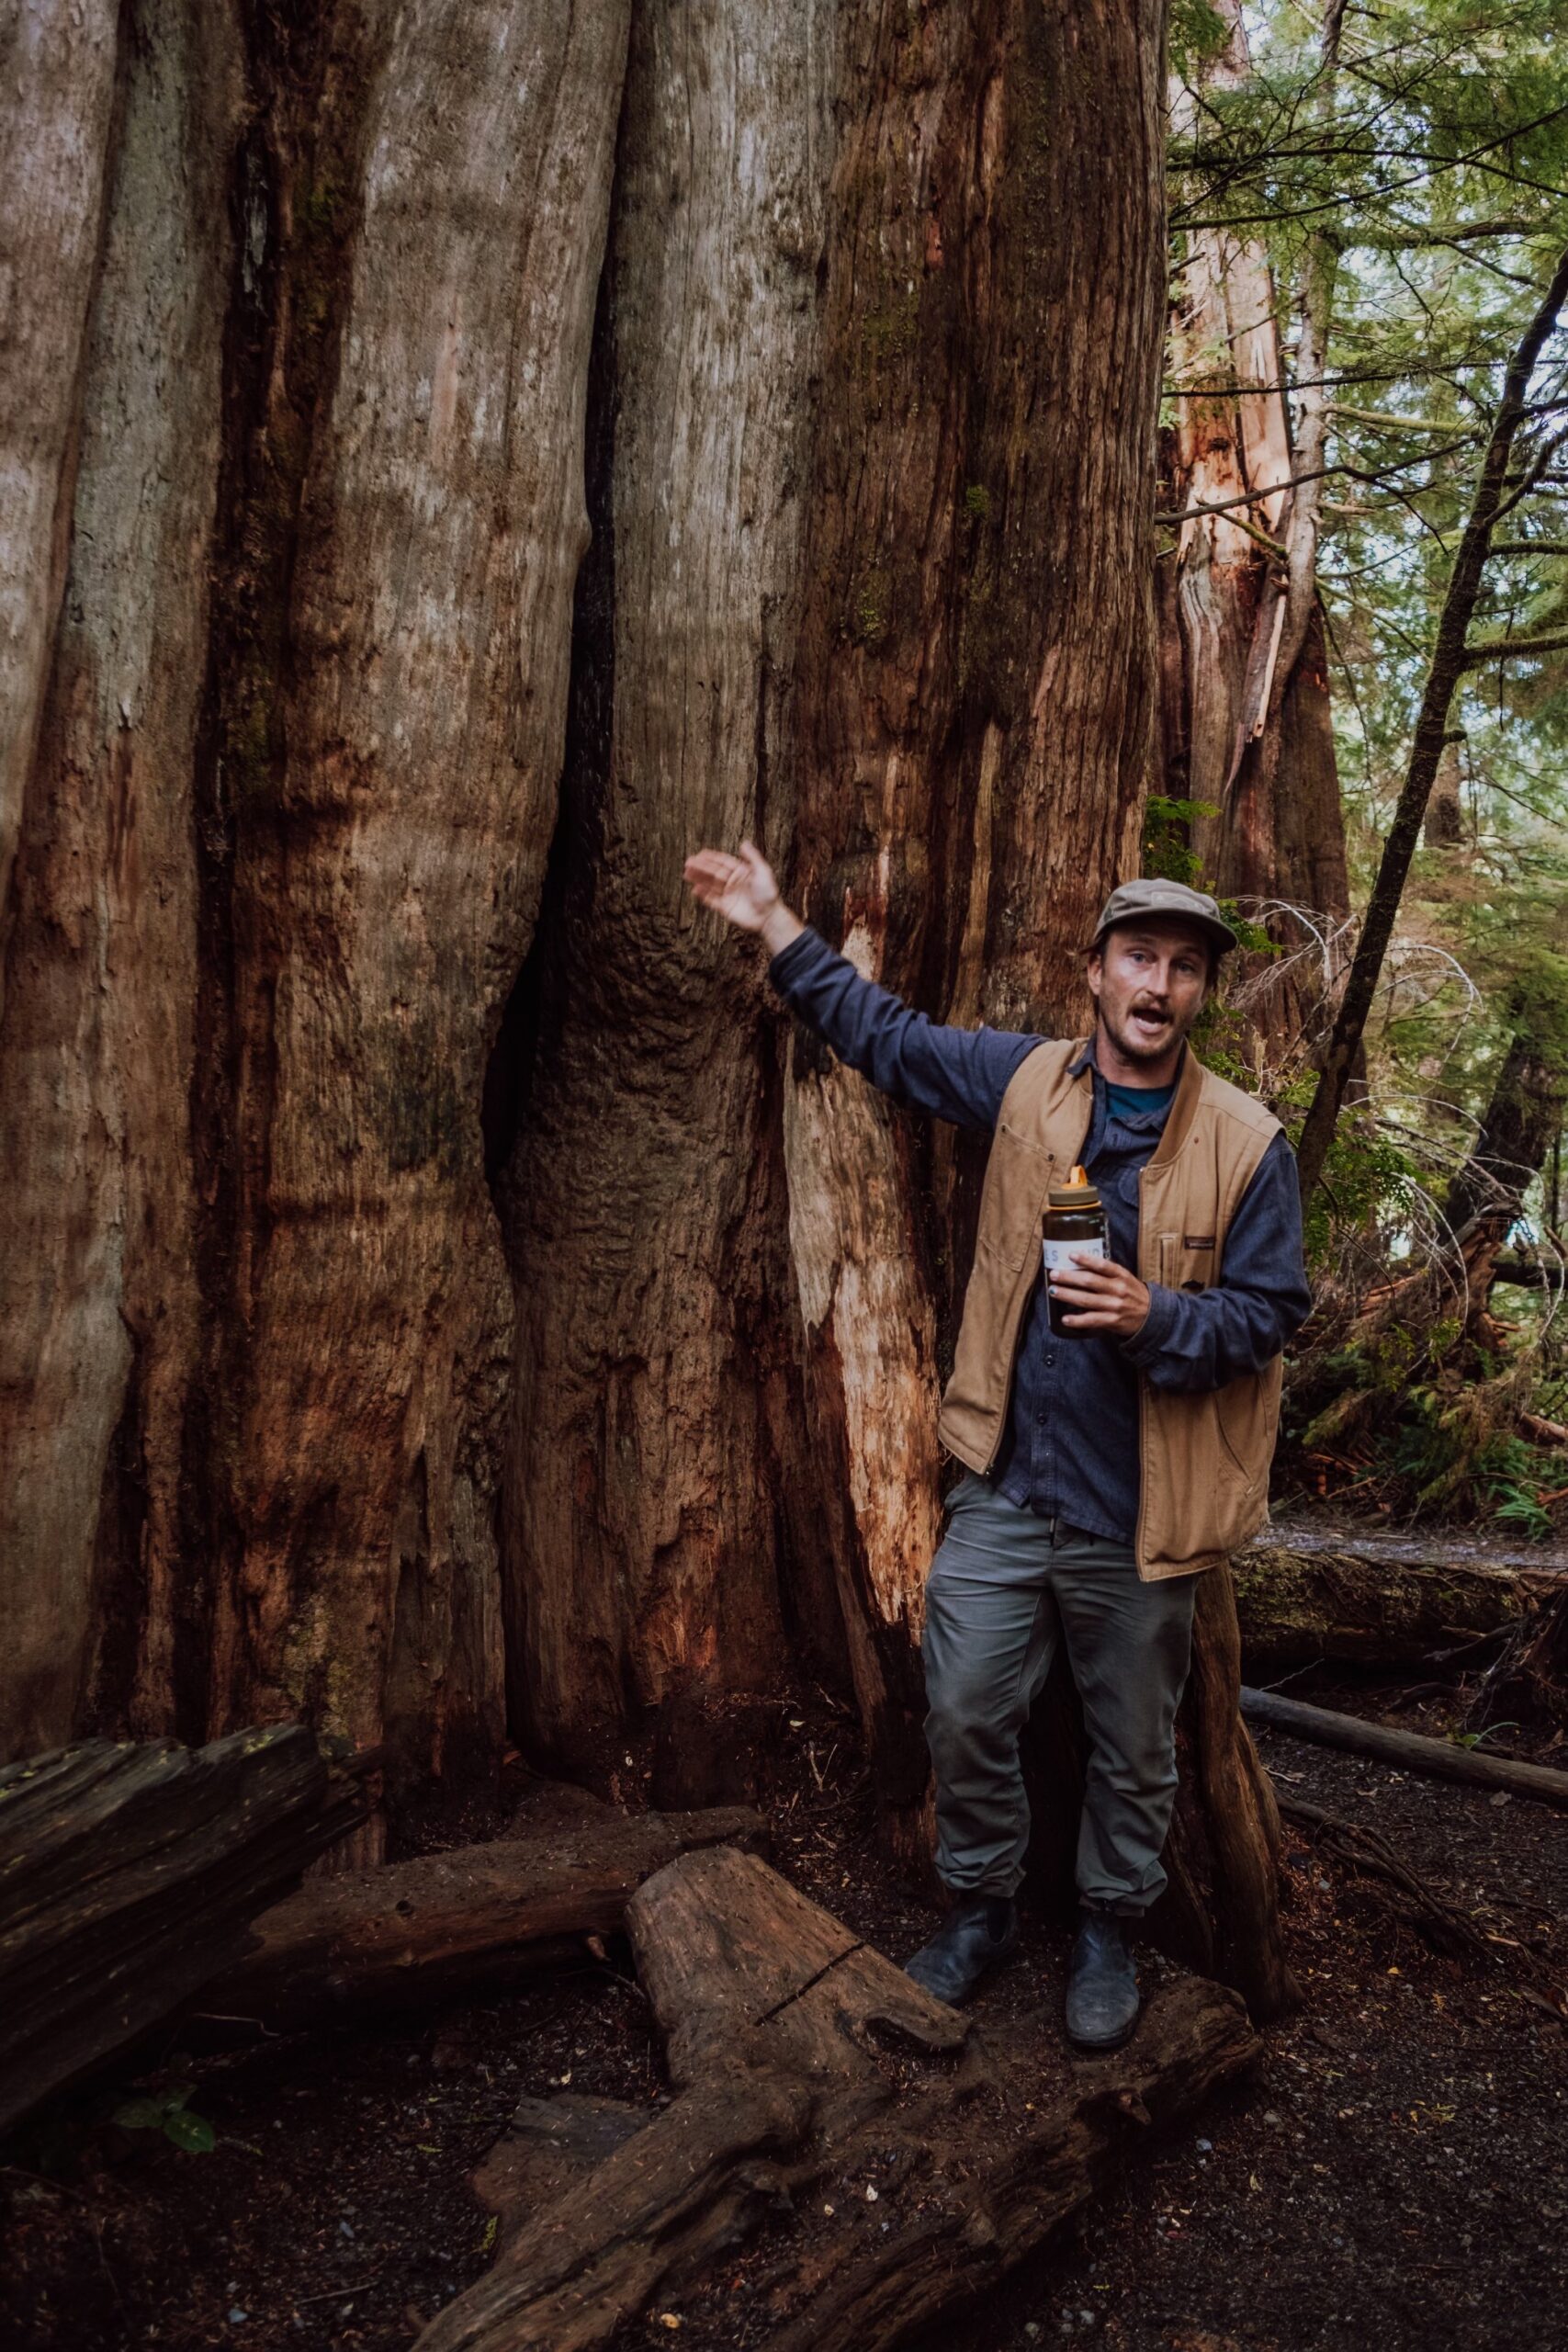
pixel 808 2068
pixel 129 1874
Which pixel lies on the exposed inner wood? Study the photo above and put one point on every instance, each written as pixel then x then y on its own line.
pixel 444 1923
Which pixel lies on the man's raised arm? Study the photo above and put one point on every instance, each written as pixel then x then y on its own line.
pixel 957 1074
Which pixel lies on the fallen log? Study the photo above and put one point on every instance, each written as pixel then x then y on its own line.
pixel 445 1924
pixel 128 1877
pixel 892 2157
pixel 1302 1596
pixel 1444 1758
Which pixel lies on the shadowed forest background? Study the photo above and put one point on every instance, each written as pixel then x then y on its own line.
pixel 460 459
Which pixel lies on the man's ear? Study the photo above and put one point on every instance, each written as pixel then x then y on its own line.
pixel 1093 970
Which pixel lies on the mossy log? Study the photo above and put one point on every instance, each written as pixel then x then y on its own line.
pixel 890 2158
pixel 1367 1601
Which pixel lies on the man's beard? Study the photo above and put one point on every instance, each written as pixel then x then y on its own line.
pixel 1140 1044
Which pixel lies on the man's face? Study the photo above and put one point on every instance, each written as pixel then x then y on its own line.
pixel 1148 980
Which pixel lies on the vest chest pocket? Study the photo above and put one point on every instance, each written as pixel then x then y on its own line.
pixel 1186 1261
pixel 1014 1198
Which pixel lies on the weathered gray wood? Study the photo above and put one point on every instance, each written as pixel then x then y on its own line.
pixel 1441 1757
pixel 811 2068
pixel 445 1923
pixel 128 1877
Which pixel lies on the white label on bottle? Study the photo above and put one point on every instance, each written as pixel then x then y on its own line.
pixel 1059 1254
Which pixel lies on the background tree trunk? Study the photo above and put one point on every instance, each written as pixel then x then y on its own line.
pixel 350 864
pixel 1246 724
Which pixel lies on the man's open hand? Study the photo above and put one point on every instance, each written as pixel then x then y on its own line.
pixel 1103 1296
pixel 744 891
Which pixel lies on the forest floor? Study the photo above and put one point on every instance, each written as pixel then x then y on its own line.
pixel 1395 2173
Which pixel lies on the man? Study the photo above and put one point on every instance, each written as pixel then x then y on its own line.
pixel 1105 1470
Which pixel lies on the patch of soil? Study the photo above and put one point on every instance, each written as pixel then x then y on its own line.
pixel 1396 2173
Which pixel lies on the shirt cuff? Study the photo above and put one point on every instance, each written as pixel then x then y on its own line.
pixel 1159 1324
pixel 790 962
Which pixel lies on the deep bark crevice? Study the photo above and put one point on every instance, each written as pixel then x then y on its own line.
pixel 585 764
pixel 534 1007
pixel 290 228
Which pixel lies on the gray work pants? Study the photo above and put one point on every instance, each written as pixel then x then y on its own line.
pixel 1005 1584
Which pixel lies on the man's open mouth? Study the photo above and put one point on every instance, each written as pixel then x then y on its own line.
pixel 1150 1025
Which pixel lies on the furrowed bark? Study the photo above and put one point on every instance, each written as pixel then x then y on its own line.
pixel 975 690
pixel 286 840
pixel 391 789
pixel 641 1200
pixel 57 63
pixel 98 1308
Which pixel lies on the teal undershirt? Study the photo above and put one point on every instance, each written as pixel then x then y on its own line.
pixel 1128 1102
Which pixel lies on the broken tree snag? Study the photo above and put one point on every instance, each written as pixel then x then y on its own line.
pixel 1302 1597
pixel 1441 1757
pixel 128 1877
pixel 445 1923
pixel 811 2071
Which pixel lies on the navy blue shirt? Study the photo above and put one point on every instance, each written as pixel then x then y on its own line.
pixel 1071 1448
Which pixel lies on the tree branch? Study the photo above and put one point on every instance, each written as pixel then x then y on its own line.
pixel 1505 649
pixel 1374 474
pixel 1445 668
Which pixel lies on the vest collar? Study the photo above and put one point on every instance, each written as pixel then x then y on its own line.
pixel 1183 1103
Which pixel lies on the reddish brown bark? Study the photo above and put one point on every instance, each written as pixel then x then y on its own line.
pixel 975 690
pixel 286 827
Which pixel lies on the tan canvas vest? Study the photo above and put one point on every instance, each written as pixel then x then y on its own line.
pixel 1204 1459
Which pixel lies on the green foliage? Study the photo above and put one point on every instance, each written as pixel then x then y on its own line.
pixel 1416 182
pixel 978 501
pixel 167 2111
pixel 1168 854
pixel 1197 34
pixel 1368 1179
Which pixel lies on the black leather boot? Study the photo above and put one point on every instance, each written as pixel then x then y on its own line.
pixel 976 1934
pixel 1102 1991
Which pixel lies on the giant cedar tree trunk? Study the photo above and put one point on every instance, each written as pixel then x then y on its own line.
pixel 870 579
pixel 283 845
pixel 317 714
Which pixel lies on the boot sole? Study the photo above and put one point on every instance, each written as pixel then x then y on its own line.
pixel 1098 2048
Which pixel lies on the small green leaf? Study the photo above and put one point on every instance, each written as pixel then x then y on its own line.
pixel 191 2133
pixel 141 2115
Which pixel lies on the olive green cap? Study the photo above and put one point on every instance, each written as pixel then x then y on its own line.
pixel 1134 901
